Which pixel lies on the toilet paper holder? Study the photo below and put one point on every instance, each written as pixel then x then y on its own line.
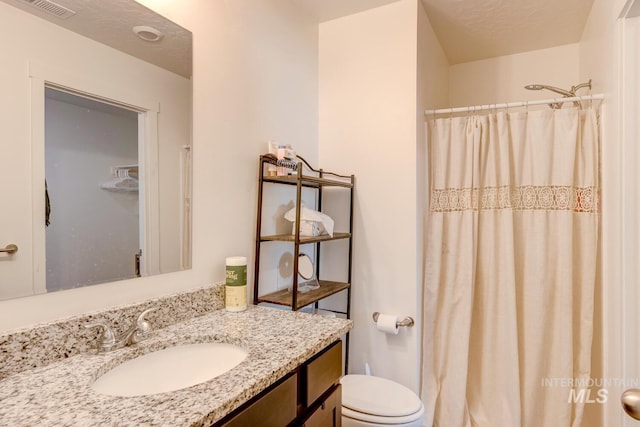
pixel 407 321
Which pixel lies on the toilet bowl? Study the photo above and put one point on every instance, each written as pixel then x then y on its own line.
pixel 369 401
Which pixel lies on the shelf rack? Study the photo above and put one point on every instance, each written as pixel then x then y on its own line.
pixel 304 176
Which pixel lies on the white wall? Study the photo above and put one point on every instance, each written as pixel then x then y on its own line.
pixel 600 50
pixel 370 120
pixel 433 92
pixel 255 78
pixel 433 71
pixel 502 79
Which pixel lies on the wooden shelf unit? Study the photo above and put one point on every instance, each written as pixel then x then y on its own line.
pixel 305 177
pixel 283 296
pixel 305 239
pixel 308 181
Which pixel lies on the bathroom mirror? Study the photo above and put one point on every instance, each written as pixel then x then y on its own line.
pixel 91 59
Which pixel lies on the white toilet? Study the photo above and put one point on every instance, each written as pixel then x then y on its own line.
pixel 369 401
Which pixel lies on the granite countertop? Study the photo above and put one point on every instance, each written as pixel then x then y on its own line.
pixel 277 342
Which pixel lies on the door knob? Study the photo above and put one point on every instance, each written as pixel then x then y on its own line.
pixel 631 402
pixel 10 249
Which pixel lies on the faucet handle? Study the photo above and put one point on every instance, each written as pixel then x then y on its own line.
pixel 107 339
pixel 142 325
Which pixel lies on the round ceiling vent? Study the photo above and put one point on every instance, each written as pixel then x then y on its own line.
pixel 147 33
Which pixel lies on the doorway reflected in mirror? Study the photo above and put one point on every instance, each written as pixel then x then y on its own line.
pixel 94 227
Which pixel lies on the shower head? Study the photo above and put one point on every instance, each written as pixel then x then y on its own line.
pixel 565 93
pixel 551 88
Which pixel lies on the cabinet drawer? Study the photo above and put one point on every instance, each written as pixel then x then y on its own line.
pixel 276 408
pixel 329 412
pixel 323 372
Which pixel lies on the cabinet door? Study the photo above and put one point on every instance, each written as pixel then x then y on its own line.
pixel 323 372
pixel 329 412
pixel 276 408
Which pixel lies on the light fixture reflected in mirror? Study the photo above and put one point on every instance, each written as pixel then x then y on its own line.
pixel 147 33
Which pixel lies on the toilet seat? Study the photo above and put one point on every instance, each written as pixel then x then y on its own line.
pixel 377 419
pixel 378 400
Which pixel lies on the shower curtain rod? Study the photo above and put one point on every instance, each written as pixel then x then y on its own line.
pixel 473 109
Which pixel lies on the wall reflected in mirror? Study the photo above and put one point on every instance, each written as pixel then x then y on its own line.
pixel 110 118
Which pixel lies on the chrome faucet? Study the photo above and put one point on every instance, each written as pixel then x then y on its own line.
pixel 107 340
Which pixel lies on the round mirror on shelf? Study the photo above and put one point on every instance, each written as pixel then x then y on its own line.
pixel 305 267
pixel 306 270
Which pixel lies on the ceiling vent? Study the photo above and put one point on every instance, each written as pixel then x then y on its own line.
pixel 51 8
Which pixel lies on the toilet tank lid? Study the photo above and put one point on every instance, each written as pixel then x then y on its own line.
pixel 378 396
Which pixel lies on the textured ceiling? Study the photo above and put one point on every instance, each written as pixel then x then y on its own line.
pixel 470 30
pixel 326 10
pixel 111 21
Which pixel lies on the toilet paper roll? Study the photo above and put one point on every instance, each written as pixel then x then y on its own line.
pixel 387 323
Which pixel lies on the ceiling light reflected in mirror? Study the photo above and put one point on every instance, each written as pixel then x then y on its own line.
pixel 147 33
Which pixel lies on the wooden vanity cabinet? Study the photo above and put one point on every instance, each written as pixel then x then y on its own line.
pixel 321 372
pixel 328 411
pixel 275 407
pixel 310 396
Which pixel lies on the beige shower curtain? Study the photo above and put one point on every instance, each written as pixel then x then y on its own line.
pixel 511 255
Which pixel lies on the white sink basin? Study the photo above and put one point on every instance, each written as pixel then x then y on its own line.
pixel 171 369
